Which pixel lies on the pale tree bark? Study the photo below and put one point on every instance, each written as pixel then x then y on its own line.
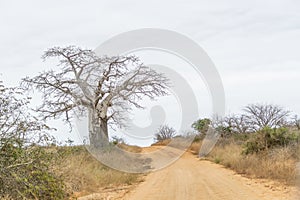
pixel 98 129
pixel 105 88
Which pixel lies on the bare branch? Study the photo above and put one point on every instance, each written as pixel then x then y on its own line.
pixel 108 86
pixel 261 115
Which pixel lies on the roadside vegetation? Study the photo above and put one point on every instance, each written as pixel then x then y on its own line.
pixel 34 166
pixel 83 174
pixel 262 143
pixel 24 166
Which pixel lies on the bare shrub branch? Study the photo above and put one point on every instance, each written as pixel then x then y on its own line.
pixel 165 132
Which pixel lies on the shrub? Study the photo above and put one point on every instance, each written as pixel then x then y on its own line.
pixel 278 164
pixel 224 131
pixel 117 140
pixel 269 138
pixel 24 166
pixel 165 132
pixel 202 125
pixel 25 174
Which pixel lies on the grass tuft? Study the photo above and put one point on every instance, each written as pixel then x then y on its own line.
pixel 275 164
pixel 84 174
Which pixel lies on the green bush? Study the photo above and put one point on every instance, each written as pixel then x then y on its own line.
pixel 25 172
pixel 269 138
pixel 24 166
pixel 224 131
pixel 202 125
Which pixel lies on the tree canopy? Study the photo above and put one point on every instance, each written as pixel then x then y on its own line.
pixel 105 87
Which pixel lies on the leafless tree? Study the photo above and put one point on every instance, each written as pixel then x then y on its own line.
pixel 237 123
pixel 165 132
pixel 17 124
pixel 222 125
pixel 296 122
pixel 107 87
pixel 259 116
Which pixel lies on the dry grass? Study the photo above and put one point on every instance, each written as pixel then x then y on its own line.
pixel 162 142
pixel 83 173
pixel 194 148
pixel 130 148
pixel 277 164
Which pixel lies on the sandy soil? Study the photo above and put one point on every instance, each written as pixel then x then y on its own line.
pixel 191 178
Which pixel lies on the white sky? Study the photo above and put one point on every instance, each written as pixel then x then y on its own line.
pixel 254 44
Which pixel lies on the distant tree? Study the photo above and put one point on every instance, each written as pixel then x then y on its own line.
pixel 296 122
pixel 165 132
pixel 117 140
pixel 222 125
pixel 106 87
pixel 259 116
pixel 202 125
pixel 237 123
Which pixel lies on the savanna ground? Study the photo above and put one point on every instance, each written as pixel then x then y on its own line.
pixel 261 143
pixel 278 164
pixel 83 174
pixel 226 173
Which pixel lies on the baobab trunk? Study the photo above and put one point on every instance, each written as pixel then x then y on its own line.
pixel 98 131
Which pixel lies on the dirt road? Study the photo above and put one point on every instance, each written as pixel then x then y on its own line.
pixel 190 178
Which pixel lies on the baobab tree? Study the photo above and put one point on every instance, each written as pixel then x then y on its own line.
pixel 105 87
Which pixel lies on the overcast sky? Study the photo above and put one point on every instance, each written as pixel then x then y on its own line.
pixel 255 44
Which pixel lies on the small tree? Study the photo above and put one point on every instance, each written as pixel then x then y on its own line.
pixel 237 124
pixel 106 87
pixel 202 125
pixel 222 125
pixel 16 121
pixel 165 132
pixel 259 116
